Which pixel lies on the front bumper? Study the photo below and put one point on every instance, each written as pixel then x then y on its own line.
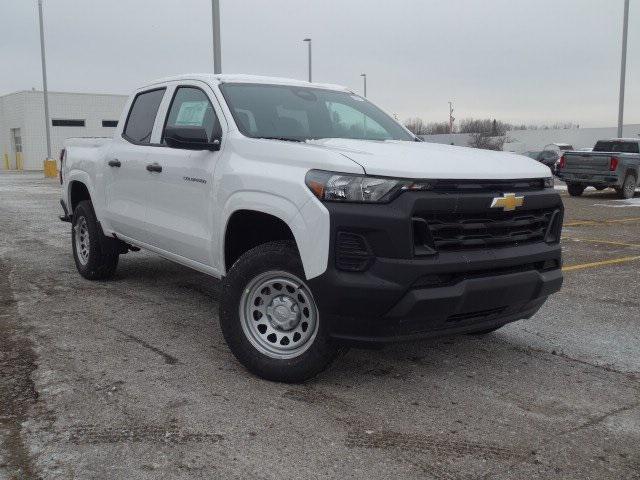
pixel 402 296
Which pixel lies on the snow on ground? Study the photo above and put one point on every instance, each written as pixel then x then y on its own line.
pixel 632 202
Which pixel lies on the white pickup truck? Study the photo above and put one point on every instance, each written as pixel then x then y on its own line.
pixel 328 222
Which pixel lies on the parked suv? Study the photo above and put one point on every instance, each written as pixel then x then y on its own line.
pixel 328 222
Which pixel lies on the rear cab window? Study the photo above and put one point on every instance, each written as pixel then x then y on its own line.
pixel 142 116
pixel 616 146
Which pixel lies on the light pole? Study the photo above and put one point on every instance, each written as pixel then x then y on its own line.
pixel 364 77
pixel 215 22
pixel 308 40
pixel 623 66
pixel 451 117
pixel 44 82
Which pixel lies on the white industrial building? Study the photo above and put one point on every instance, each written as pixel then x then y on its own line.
pixel 520 141
pixel 23 143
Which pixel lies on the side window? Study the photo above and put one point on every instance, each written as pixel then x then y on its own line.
pixel 191 108
pixel 142 116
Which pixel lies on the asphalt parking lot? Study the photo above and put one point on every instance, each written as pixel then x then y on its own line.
pixel 132 379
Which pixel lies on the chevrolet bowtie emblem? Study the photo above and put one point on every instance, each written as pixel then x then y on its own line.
pixel 508 202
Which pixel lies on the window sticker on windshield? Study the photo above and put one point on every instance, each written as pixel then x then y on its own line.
pixel 191 113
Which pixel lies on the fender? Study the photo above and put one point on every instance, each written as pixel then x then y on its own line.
pixel 309 224
pixel 75 175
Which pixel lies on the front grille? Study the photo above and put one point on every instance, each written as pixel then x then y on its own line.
pixel 478 315
pixel 479 186
pixel 462 231
pixel 436 280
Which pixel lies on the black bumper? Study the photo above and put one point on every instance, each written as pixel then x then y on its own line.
pixel 592 179
pixel 405 295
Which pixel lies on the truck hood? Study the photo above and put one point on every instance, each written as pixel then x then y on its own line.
pixel 431 160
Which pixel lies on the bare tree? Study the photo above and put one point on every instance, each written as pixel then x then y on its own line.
pixel 419 127
pixel 416 126
pixel 484 125
pixel 485 141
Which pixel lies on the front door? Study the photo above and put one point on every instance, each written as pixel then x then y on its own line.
pixel 180 214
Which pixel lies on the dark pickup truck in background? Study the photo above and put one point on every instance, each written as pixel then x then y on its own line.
pixel 612 163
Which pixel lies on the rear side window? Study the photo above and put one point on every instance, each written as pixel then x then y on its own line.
pixel 142 116
pixel 622 147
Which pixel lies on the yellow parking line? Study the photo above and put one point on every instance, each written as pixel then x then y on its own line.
pixel 612 261
pixel 606 242
pixel 580 223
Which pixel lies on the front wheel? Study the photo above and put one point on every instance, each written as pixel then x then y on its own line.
pixel 270 319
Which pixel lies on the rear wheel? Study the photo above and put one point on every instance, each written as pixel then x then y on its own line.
pixel 628 189
pixel 269 316
pixel 575 189
pixel 95 255
pixel 600 187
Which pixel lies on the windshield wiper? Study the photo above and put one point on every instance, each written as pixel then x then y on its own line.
pixel 284 139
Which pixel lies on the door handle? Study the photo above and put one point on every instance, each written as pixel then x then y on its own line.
pixel 114 163
pixel 154 167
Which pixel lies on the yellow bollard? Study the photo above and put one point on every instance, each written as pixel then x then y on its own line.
pixel 50 168
pixel 6 162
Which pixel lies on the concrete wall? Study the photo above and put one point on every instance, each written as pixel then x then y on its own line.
pixel 523 140
pixel 25 110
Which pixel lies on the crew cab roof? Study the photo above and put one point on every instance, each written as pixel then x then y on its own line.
pixel 620 140
pixel 241 78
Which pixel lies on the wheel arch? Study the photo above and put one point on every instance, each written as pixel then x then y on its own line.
pixel 78 191
pixel 308 227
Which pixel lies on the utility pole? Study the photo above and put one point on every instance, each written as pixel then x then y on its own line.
pixel 217 48
pixel 364 76
pixel 623 66
pixel 308 40
pixel 44 82
pixel 451 118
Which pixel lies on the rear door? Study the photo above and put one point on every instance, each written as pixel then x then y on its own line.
pixel 126 176
pixel 180 212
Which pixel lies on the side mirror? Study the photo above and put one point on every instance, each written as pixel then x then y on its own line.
pixel 190 138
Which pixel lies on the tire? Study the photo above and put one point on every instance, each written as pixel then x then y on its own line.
pixel 487 331
pixel 96 256
pixel 575 189
pixel 265 301
pixel 600 188
pixel 628 189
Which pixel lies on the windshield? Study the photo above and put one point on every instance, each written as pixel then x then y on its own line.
pixel 301 113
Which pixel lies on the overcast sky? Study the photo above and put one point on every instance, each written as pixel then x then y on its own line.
pixel 532 61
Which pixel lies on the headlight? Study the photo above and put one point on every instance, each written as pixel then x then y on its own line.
pixel 548 182
pixel 338 187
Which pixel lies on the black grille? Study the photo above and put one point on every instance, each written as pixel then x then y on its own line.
pixel 489 229
pixel 476 186
pixel 352 252
pixel 478 315
pixel 447 279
